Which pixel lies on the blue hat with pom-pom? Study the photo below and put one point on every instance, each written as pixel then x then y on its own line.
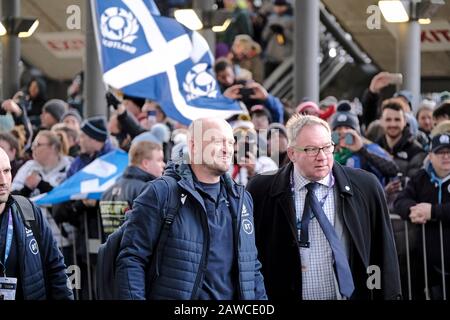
pixel 344 117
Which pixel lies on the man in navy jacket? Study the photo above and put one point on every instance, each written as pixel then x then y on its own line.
pixel 37 269
pixel 210 253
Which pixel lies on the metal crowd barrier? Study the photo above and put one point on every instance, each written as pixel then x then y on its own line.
pixel 395 217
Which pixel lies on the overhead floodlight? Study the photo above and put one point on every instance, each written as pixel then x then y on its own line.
pixel 425 21
pixel 393 11
pixel 188 18
pixel 332 52
pixel 31 29
pixel 2 29
pixel 223 27
pixel 18 26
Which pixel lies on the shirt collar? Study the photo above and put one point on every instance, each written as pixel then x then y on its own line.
pixel 300 181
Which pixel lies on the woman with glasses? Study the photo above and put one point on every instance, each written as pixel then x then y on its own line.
pixel 45 171
pixel 48 167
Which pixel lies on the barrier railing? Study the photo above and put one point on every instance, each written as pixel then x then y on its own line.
pixel 407 248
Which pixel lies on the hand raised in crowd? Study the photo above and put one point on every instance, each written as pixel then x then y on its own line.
pixel 393 187
pixel 259 92
pixel 233 92
pixel 19 96
pixel 33 180
pixel 357 141
pixel 12 107
pixel 111 100
pixel 420 213
pixel 380 81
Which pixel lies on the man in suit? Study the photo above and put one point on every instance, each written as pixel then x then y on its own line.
pixel 322 230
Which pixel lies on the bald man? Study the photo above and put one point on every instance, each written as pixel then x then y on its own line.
pixel 210 253
pixel 31 266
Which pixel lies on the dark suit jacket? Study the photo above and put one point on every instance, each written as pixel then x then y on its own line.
pixel 365 215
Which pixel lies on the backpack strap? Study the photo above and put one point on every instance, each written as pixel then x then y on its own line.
pixel 170 212
pixel 26 211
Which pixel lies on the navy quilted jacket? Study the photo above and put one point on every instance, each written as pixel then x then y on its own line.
pixel 34 285
pixel 183 261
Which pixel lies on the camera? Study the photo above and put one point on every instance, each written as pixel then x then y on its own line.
pixel 348 138
pixel 396 78
pixel 111 100
pixel 246 93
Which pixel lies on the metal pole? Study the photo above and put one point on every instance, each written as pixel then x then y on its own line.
pixel 202 6
pixel 408 261
pixel 306 50
pixel 425 266
pixel 74 233
pixel 441 236
pixel 94 88
pixel 10 52
pixel 409 54
pixel 88 254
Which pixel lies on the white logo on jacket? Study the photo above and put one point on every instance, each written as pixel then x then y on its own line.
pixel 33 247
pixel 247 226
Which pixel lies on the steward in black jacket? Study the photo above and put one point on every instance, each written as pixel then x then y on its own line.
pixel 359 200
pixel 427 188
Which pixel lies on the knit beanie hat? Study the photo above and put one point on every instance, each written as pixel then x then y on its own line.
pixel 345 117
pixel 95 127
pixel 74 113
pixel 56 108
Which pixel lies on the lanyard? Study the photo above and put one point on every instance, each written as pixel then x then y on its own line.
pixel 9 237
pixel 322 201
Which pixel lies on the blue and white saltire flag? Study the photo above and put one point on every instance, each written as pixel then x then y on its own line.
pixel 147 55
pixel 90 182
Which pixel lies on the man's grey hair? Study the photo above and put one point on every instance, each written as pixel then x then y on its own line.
pixel 298 121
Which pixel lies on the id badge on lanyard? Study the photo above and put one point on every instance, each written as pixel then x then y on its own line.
pixel 8 285
pixel 8 288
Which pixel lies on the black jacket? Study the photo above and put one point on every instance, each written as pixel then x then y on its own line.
pixel 407 153
pixel 365 218
pixel 422 188
pixel 118 199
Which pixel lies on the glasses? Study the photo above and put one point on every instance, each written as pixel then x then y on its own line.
pixel 37 145
pixel 314 151
pixel 442 153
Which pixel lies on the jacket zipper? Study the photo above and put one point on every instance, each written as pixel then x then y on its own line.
pixel 201 267
pixel 236 230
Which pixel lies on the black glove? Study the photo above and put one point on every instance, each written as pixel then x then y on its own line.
pixel 111 100
pixel 277 28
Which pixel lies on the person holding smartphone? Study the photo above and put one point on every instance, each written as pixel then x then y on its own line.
pixel 353 150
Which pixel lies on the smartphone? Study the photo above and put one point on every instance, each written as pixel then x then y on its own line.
pixel 151 116
pixel 246 92
pixel 399 177
pixel 396 78
pixel 348 139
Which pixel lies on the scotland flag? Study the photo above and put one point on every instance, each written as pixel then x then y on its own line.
pixel 146 55
pixel 90 182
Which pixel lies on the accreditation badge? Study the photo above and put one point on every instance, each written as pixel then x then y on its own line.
pixel 8 288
